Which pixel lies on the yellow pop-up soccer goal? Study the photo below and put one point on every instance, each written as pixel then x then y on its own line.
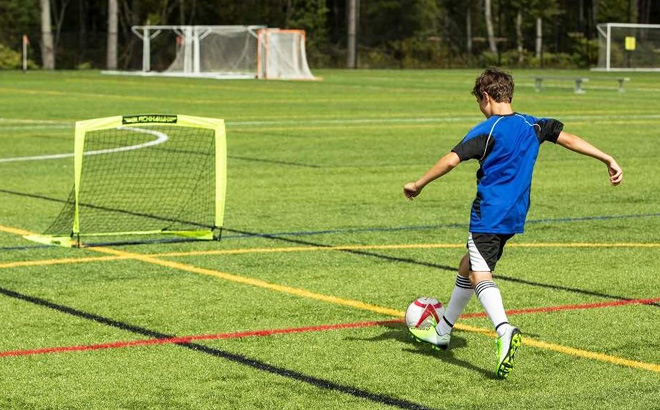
pixel 147 175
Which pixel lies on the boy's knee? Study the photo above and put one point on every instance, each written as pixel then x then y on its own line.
pixel 464 266
pixel 476 277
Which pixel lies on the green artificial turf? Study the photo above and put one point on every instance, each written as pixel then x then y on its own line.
pixel 322 164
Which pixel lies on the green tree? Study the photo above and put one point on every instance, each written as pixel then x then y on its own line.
pixel 18 17
pixel 615 11
pixel 311 16
pixel 399 30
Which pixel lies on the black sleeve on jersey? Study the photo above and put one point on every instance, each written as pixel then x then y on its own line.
pixel 548 130
pixel 474 148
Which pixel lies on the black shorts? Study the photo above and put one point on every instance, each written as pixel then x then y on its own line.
pixel 485 249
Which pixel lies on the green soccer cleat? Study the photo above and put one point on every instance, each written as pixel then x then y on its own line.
pixel 430 336
pixel 507 345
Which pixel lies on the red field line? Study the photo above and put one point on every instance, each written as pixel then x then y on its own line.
pixel 320 328
pixel 570 307
pixel 188 339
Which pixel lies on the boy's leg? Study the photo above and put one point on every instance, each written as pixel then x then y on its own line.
pixel 485 250
pixel 460 297
pixel 490 298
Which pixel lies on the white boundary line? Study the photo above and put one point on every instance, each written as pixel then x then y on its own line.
pixel 430 120
pixel 160 138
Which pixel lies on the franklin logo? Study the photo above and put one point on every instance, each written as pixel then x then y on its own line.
pixel 149 119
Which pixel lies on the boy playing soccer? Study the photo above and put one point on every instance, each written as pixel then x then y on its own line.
pixel 506 145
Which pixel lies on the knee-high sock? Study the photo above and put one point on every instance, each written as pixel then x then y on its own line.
pixel 460 297
pixel 491 299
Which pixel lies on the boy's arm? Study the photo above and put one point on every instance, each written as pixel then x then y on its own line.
pixel 444 165
pixel 577 144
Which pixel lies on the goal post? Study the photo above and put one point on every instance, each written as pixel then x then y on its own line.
pixel 149 174
pixel 628 47
pixel 282 55
pixel 222 52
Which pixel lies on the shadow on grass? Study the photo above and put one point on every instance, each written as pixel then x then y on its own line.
pixel 398 332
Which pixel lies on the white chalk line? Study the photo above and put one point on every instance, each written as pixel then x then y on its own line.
pixel 160 138
pixel 339 121
pixel 428 120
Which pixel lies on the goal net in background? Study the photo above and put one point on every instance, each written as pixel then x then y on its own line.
pixel 628 47
pixel 144 174
pixel 229 52
pixel 222 50
pixel 282 55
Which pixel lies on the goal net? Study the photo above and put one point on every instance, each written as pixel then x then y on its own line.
pixel 223 52
pixel 144 174
pixel 282 55
pixel 628 47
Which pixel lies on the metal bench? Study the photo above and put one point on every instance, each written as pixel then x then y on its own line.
pixel 620 80
pixel 538 82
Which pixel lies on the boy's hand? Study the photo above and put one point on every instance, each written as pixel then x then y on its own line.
pixel 411 190
pixel 615 171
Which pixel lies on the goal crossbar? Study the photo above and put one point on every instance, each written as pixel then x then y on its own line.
pixel 628 47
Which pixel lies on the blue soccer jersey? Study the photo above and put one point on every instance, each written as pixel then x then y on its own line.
pixel 506 147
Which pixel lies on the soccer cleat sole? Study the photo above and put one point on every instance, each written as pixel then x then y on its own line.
pixel 503 369
pixel 434 347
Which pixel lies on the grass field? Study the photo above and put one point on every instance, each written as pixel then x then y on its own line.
pixel 299 305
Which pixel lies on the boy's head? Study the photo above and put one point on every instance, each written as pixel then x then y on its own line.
pixel 496 83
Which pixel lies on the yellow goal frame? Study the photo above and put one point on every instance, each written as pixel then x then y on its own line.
pixel 83 127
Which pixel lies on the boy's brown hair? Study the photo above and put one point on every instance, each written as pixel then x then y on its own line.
pixel 496 83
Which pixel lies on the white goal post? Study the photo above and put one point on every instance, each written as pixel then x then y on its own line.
pixel 230 52
pixel 628 47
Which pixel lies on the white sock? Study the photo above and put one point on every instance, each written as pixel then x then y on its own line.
pixel 460 297
pixel 491 299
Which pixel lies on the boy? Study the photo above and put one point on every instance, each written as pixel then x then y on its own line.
pixel 506 145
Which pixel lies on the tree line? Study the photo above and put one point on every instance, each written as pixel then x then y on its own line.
pixel 388 33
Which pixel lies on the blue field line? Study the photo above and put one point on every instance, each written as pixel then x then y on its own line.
pixel 426 227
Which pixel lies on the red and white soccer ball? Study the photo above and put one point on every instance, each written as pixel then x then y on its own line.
pixel 424 312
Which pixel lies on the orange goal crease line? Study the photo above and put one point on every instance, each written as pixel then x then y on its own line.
pixel 354 303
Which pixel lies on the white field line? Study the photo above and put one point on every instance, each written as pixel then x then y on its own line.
pixel 160 138
pixel 428 120
pixel 36 127
pixel 28 121
pixel 311 121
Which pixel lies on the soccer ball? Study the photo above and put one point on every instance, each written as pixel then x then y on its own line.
pixel 424 312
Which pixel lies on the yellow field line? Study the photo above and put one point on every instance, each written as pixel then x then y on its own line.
pixel 374 308
pixel 353 303
pixel 586 245
pixel 399 246
pixel 250 281
pixel 62 261
pixel 591 355
pixel 15 231
pixel 306 249
pixel 528 341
